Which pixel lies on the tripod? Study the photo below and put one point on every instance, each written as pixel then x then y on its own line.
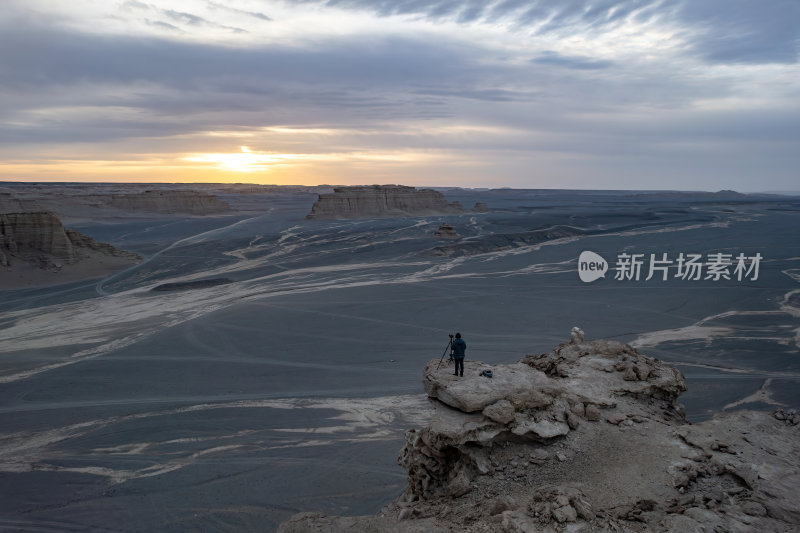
pixel 449 344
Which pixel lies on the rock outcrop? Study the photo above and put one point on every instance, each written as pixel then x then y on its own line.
pixel 576 335
pixel 586 438
pixel 505 241
pixel 380 201
pixel 169 201
pixel 32 236
pixel 40 239
pixel 446 231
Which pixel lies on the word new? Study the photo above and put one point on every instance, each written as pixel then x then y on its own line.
pixel 591 266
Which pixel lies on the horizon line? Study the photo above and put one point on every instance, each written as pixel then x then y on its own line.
pixel 213 183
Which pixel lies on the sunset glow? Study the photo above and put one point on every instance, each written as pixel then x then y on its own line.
pixel 569 94
pixel 245 161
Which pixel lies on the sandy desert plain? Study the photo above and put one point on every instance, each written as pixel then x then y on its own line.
pixel 289 387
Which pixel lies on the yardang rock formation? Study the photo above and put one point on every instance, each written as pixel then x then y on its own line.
pixel 587 438
pixel 166 201
pixel 382 201
pixel 39 239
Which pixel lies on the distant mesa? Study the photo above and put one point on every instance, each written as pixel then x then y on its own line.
pixel 382 201
pixel 189 285
pixel 79 202
pixel 39 239
pixel 166 201
pixel 446 231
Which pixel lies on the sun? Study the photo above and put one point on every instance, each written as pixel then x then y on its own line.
pixel 244 161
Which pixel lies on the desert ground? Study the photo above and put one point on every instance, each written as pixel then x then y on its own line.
pixel 289 386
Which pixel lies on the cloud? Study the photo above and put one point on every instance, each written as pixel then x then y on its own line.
pixel 195 20
pixel 378 77
pixel 254 14
pixel 521 99
pixel 555 13
pixel 133 5
pixel 550 57
pixel 718 31
pixel 182 17
pixel 59 56
pixel 96 88
pixel 485 95
pixel 186 18
pixel 62 85
pixel 163 25
pixel 744 31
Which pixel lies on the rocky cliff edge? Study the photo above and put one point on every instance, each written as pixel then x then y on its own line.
pixel 587 438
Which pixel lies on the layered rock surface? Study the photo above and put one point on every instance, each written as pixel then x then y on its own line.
pixel 39 238
pixel 381 201
pixel 586 438
pixel 31 235
pixel 167 201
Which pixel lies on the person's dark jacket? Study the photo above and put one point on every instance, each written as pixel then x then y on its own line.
pixel 459 346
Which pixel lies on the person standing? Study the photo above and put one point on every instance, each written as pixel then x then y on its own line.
pixel 459 347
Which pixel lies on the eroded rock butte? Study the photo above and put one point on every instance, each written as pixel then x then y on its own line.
pixel 39 238
pixel 384 201
pixel 587 438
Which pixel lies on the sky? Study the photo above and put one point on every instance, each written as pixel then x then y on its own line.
pixel 599 94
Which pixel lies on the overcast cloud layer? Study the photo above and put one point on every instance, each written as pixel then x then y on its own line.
pixel 647 94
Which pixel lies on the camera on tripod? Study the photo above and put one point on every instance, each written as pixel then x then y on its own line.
pixel 448 347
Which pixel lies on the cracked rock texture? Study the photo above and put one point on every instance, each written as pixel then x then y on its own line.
pixel 587 438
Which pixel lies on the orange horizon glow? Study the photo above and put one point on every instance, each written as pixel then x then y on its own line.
pixel 242 166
